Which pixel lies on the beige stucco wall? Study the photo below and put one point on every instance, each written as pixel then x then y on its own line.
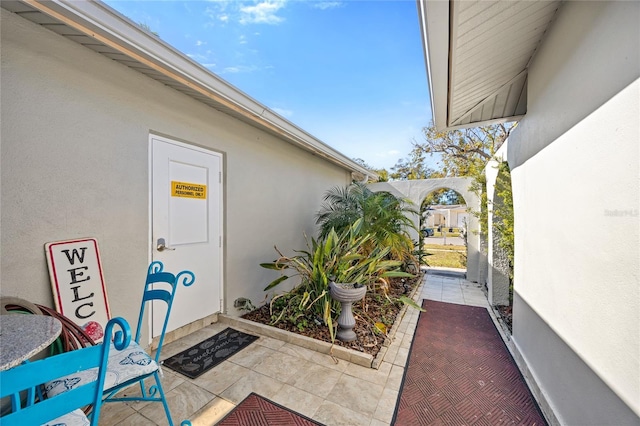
pixel 577 302
pixel 75 163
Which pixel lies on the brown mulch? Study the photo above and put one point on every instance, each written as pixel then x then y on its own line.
pixel 506 313
pixel 460 372
pixel 372 309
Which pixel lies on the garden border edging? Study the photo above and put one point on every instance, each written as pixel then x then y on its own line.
pixel 320 346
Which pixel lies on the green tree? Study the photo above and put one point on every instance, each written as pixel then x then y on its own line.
pixel 463 152
pixel 413 167
pixel 466 152
pixel 479 187
pixel 445 197
pixel 383 174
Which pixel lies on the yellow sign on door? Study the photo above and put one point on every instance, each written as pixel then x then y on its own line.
pixel 188 190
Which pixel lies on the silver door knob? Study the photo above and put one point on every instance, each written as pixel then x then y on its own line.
pixel 162 245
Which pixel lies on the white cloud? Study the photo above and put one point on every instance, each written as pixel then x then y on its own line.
pixel 324 5
pixel 217 12
pixel 198 57
pixel 242 39
pixel 200 43
pixel 239 69
pixel 387 154
pixel 264 12
pixel 283 112
pixel 245 12
pixel 221 4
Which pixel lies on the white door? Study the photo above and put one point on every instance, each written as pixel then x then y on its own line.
pixel 186 214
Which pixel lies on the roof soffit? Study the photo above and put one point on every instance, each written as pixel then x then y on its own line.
pixel 489 47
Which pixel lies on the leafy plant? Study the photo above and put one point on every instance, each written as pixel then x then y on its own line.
pixel 291 307
pixel 384 216
pixel 338 257
pixel 479 187
pixel 363 240
pixel 504 217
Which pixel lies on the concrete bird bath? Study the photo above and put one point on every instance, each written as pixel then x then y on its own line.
pixel 346 294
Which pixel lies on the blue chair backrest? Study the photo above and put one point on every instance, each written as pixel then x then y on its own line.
pixel 30 376
pixel 161 285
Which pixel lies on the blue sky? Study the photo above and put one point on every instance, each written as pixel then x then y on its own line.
pixel 351 73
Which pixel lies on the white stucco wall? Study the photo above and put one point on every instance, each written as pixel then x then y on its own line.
pixel 577 304
pixel 75 135
pixel 417 190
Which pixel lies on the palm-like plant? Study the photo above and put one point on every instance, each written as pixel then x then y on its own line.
pixel 337 257
pixel 383 215
pixel 342 207
pixel 363 240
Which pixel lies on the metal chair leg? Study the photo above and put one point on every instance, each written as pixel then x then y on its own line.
pixel 162 396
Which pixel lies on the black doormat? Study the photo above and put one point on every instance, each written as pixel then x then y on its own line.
pixel 256 410
pixel 207 354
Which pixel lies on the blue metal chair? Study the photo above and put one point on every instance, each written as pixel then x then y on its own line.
pixel 59 371
pixel 133 364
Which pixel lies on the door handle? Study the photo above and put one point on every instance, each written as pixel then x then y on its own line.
pixel 162 245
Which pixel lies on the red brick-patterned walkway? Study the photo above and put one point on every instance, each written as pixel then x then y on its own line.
pixel 256 410
pixel 460 373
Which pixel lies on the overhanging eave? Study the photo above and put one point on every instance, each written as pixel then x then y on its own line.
pixel 478 55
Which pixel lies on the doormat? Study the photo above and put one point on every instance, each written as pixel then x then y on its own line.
pixel 459 371
pixel 256 410
pixel 207 354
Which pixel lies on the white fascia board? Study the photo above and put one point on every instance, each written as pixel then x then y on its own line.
pixel 434 25
pixel 100 21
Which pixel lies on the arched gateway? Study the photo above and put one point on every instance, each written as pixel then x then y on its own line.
pixel 417 190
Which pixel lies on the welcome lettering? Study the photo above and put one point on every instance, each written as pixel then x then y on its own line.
pixel 84 310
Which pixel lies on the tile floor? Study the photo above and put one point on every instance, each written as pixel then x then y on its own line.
pixel 303 380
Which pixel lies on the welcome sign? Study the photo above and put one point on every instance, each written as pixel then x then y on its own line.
pixel 78 284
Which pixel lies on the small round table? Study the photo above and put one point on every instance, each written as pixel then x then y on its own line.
pixel 23 335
